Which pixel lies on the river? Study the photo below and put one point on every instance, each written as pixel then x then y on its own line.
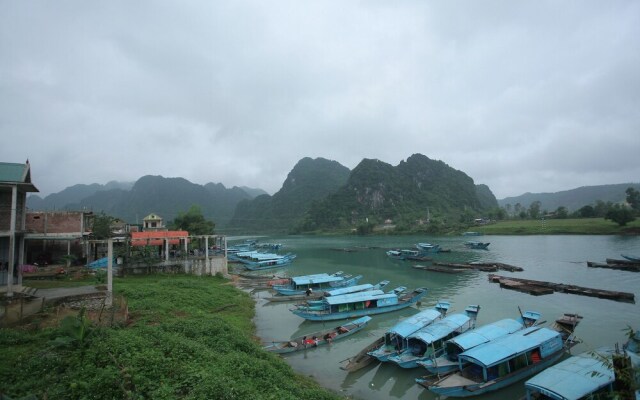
pixel 559 259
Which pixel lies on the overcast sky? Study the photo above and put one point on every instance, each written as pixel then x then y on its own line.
pixel 523 96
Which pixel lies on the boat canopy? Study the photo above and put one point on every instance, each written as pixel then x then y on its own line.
pixel 440 329
pixel 346 290
pixel 407 326
pixel 498 350
pixel 313 279
pixel 358 297
pixel 574 377
pixel 486 333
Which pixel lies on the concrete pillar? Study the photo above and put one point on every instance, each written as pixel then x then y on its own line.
pixel 109 299
pixel 166 249
pixel 12 240
pixel 20 258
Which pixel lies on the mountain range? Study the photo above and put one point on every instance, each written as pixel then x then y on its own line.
pixel 319 194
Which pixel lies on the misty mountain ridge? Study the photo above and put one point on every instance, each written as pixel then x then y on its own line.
pixel 573 199
pixel 318 194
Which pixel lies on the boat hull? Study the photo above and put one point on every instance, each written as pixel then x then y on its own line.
pixel 476 389
pixel 330 316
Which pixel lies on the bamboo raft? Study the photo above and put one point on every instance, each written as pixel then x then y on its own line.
pixel 622 267
pixel 537 288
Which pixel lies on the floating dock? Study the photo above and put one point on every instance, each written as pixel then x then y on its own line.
pixel 537 288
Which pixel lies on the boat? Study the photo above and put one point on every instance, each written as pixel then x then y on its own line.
pixel 449 362
pixel 428 247
pixel 261 261
pixel 359 304
pixel 506 360
pixel 394 339
pixel 299 285
pixel 428 342
pixel 590 375
pixel 320 338
pixel 407 254
pixel 349 289
pixel 632 258
pixel 577 377
pixel 477 245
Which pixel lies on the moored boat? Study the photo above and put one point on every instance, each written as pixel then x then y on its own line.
pixel 315 339
pixel 362 303
pixel 578 377
pixel 477 245
pixel 506 360
pixel 394 338
pixel 631 257
pixel 299 285
pixel 428 247
pixel 453 347
pixel 428 342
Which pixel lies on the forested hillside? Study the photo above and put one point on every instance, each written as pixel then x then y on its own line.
pixel 310 180
pixel 419 192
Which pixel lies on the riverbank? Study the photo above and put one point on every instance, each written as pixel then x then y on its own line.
pixel 169 337
pixel 567 226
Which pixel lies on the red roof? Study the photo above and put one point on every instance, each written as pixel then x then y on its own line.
pixel 156 238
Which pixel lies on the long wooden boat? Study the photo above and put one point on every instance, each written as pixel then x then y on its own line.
pixel 446 270
pixel 506 360
pixel 577 377
pixel 477 245
pixel 362 359
pixel 428 247
pixel 393 336
pixel 631 257
pixel 623 267
pixel 319 338
pixel 449 362
pixel 302 284
pixel 428 342
pixel 315 296
pixel 362 303
pixel 622 261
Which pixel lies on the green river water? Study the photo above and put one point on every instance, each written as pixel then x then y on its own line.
pixel 559 259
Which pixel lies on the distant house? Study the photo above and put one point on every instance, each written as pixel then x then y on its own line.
pixel 153 222
pixel 15 183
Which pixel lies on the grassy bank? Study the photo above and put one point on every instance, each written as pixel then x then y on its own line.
pixel 578 226
pixel 184 338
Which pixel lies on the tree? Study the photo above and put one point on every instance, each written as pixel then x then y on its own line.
pixel 562 212
pixel 587 212
pixel 620 215
pixel 101 226
pixel 193 222
pixel 534 209
pixel 633 198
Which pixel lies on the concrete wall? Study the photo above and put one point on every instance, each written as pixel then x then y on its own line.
pixel 55 222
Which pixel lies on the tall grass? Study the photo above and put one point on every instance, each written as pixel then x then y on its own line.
pixel 188 338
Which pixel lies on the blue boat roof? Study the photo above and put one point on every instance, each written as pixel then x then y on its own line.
pixel 574 377
pixel 350 289
pixel 318 278
pixel 497 350
pixel 357 297
pixel 407 326
pixel 440 329
pixel 486 333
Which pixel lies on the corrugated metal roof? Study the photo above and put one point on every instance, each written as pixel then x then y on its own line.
pixel 358 297
pixel 408 326
pixel 487 333
pixel 442 328
pixel 350 289
pixel 12 172
pixel 574 377
pixel 497 350
pixel 318 278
